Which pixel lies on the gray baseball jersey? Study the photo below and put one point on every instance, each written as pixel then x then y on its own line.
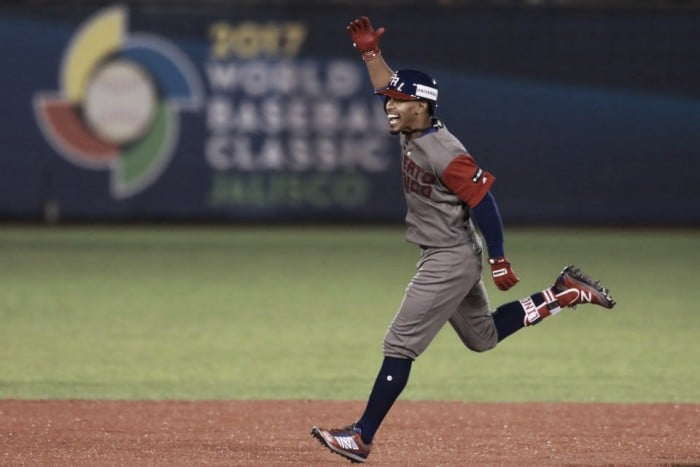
pixel 441 181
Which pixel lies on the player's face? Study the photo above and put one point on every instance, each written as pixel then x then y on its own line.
pixel 406 116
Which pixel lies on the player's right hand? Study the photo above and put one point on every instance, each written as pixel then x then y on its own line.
pixel 502 274
pixel 364 37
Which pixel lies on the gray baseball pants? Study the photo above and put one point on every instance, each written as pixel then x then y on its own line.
pixel 446 287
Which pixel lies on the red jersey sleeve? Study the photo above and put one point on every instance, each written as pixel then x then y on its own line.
pixel 465 179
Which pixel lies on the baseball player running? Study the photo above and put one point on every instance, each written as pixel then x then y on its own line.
pixel 448 198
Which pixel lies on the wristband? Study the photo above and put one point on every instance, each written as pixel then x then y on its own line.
pixel 370 55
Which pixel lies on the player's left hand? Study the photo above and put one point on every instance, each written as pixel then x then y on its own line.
pixel 363 35
pixel 502 274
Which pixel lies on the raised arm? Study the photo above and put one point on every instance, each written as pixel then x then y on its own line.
pixel 366 40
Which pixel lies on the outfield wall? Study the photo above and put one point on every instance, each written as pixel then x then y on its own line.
pixel 238 114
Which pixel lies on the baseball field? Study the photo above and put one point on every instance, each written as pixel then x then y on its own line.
pixel 162 345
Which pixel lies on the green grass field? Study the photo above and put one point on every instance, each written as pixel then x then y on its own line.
pixel 299 313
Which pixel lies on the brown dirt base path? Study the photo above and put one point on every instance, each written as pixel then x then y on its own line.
pixel 167 433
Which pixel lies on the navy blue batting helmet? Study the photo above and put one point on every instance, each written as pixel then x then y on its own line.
pixel 411 85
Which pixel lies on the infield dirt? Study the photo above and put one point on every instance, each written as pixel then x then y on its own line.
pixel 270 433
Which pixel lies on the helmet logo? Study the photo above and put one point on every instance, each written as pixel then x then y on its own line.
pixel 394 82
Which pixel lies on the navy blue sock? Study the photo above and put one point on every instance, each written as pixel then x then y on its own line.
pixel 392 378
pixel 510 317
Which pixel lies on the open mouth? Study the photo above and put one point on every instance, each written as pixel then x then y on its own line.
pixel 393 118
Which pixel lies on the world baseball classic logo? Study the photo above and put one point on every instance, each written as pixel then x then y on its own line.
pixel 118 103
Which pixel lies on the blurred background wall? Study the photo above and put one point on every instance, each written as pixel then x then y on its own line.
pixel 587 112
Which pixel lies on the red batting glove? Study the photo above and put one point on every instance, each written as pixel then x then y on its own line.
pixel 364 37
pixel 502 274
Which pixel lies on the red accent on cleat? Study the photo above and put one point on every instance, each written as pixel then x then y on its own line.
pixel 346 442
pixel 573 287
